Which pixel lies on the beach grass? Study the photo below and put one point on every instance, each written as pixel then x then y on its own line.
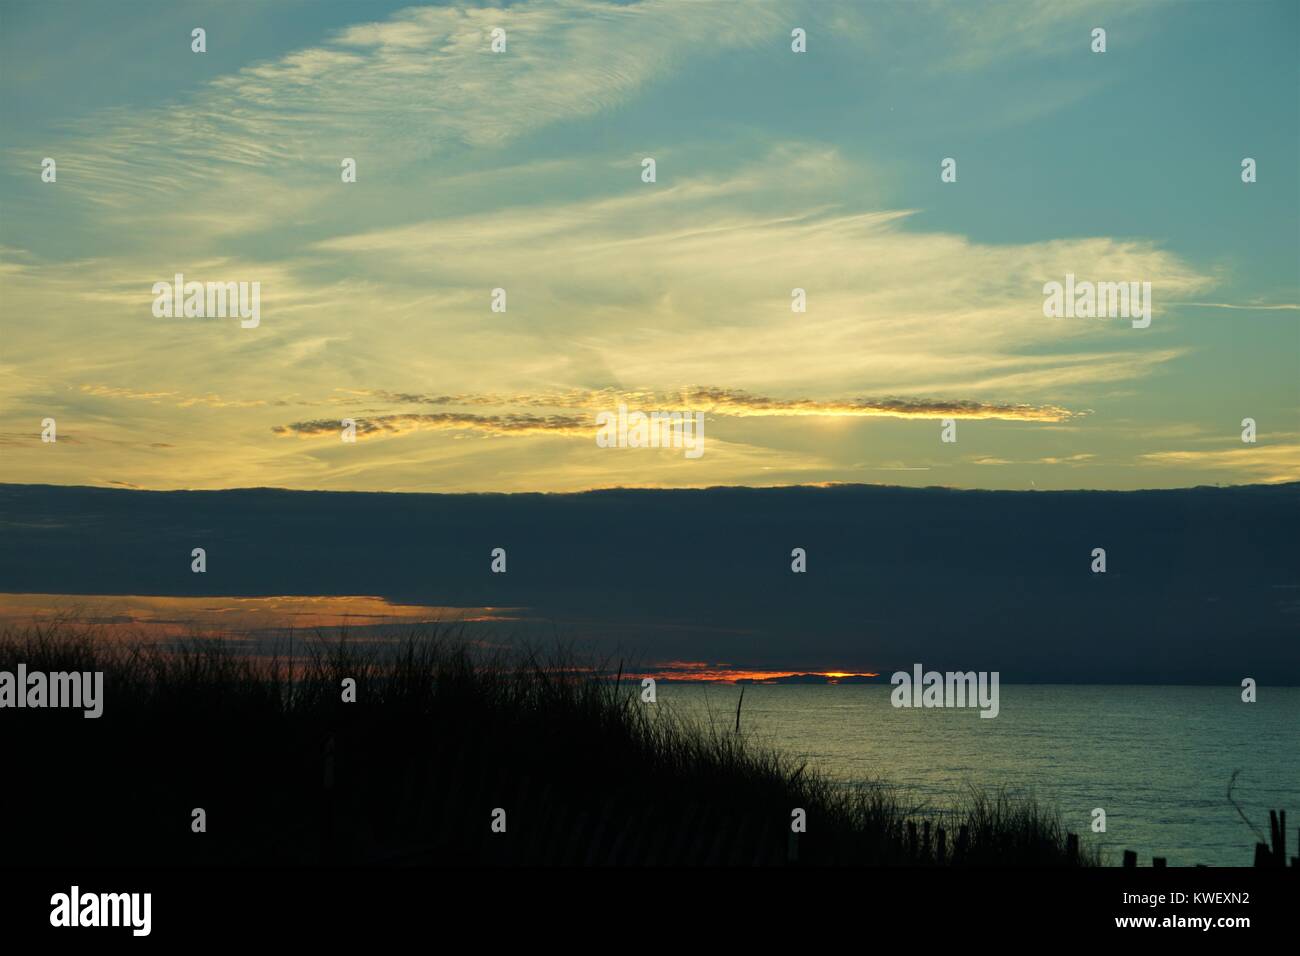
pixel 444 739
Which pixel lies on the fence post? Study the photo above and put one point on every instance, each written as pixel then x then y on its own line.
pixel 1130 859
pixel 1277 822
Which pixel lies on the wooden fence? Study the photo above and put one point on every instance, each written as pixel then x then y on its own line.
pixel 1265 855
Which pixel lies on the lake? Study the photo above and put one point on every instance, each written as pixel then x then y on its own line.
pixel 1158 760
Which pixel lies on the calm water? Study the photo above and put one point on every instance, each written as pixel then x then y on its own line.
pixel 1158 759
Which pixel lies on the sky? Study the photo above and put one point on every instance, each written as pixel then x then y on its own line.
pixel 522 170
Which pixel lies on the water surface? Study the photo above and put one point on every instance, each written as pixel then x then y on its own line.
pixel 1157 759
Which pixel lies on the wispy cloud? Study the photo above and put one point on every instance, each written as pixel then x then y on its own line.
pixel 1259 462
pixel 420 83
pixel 1260 307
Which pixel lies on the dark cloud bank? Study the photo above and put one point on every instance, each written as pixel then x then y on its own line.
pixel 1203 585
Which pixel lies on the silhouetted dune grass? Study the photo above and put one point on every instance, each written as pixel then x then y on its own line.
pixel 440 736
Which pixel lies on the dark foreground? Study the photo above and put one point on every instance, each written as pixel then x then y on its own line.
pixel 446 757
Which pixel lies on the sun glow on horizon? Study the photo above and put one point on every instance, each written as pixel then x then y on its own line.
pixel 705 672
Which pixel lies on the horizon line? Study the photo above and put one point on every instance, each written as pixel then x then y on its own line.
pixel 811 486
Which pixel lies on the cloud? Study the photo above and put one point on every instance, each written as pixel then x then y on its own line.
pixel 420 83
pixel 740 403
pixel 492 424
pixel 1000 30
pixel 669 284
pixel 1077 459
pixel 1259 307
pixel 1259 462
pixel 210 400
pixel 725 402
